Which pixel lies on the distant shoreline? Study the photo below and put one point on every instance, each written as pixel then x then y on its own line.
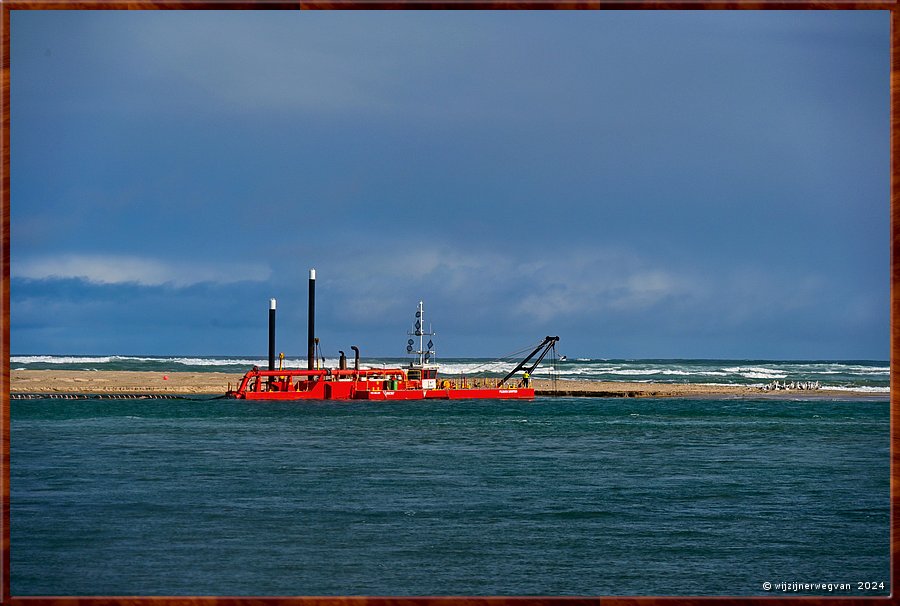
pixel 217 383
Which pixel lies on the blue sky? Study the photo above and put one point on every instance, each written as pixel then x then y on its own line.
pixel 643 184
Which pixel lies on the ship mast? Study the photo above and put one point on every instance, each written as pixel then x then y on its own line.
pixel 425 353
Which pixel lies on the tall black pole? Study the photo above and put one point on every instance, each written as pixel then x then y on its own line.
pixel 271 334
pixel 312 319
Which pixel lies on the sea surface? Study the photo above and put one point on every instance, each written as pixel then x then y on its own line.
pixel 872 376
pixel 558 496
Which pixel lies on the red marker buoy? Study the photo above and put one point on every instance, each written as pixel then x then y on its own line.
pixel 165 378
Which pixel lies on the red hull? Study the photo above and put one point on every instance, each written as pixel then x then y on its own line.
pixel 447 394
pixel 520 393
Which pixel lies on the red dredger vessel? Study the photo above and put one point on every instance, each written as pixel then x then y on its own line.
pixel 417 381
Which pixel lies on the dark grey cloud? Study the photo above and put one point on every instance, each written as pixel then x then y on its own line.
pixel 681 184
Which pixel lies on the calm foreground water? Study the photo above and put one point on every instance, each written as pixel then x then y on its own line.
pixel 557 496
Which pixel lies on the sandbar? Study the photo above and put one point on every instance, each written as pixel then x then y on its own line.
pixel 217 383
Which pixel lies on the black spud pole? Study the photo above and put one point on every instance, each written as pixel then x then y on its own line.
pixel 271 334
pixel 312 319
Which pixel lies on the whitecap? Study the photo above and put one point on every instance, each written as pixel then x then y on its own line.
pixel 760 375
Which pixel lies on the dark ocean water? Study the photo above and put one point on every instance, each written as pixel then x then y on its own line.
pixel 558 496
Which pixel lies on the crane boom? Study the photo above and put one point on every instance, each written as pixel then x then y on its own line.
pixel 546 346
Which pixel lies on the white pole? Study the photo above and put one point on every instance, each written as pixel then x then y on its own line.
pixel 421 333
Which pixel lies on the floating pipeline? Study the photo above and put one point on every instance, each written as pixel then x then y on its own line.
pixel 93 396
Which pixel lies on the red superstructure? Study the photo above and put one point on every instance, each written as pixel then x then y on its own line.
pixel 364 384
pixel 418 381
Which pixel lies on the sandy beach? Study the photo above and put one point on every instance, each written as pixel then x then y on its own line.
pixel 120 381
pixel 216 383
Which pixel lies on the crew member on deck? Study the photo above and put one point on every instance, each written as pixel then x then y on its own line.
pixel 525 378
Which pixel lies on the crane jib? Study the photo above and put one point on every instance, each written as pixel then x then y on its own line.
pixel 546 345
